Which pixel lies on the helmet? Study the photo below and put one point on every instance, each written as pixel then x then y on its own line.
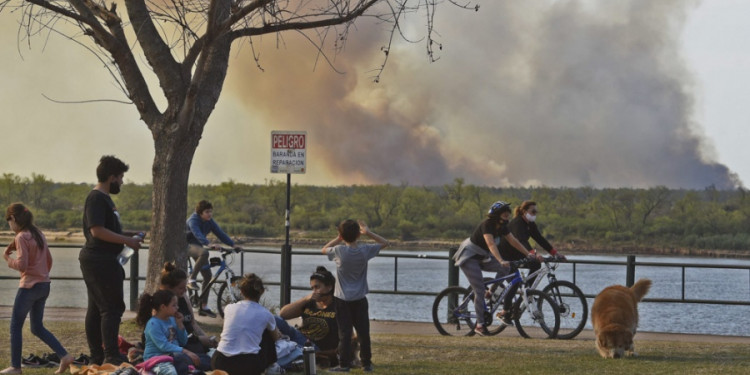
pixel 498 207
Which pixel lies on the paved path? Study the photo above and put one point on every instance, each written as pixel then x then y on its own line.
pixel 407 328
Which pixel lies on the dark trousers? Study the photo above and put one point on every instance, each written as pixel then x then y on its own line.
pixel 104 279
pixel 354 314
pixel 247 364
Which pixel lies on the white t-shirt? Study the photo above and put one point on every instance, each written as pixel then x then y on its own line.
pixel 244 323
pixel 351 269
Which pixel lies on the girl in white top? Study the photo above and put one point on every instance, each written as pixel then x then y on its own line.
pixel 247 344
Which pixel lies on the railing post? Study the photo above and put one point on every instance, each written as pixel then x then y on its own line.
pixel 452 269
pixel 395 274
pixel 630 274
pixel 134 281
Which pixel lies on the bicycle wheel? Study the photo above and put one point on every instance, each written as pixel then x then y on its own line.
pixel 540 319
pixel 449 319
pixel 572 305
pixel 224 296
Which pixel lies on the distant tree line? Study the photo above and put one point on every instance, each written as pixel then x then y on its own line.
pixel 654 217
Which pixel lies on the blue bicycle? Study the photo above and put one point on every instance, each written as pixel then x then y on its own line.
pixel 226 289
pixel 534 313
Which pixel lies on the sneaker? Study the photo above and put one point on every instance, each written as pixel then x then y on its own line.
pixel 367 368
pixel 52 358
pixel 34 361
pixel 504 317
pixel 481 330
pixel 206 312
pixel 82 360
pixel 193 284
pixel 274 369
pixel 338 369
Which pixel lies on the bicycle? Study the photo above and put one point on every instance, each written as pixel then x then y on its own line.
pixel 228 292
pixel 453 310
pixel 570 300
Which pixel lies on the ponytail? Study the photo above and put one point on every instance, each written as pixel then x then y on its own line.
pixel 149 302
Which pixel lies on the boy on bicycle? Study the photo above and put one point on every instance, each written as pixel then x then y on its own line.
pixel 350 293
pixel 198 225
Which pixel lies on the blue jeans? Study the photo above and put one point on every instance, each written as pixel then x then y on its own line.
pixel 31 301
pixel 293 333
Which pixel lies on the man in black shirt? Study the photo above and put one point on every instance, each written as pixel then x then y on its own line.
pixel 102 273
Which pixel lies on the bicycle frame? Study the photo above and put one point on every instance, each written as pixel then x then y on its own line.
pixel 229 275
pixel 515 278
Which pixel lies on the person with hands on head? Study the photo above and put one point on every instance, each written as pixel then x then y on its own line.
pixel 175 280
pixel 34 261
pixel 480 253
pixel 102 273
pixel 198 225
pixel 352 309
pixel 164 333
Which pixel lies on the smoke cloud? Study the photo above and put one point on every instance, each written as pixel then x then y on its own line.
pixel 557 93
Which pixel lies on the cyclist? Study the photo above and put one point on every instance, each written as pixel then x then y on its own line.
pixel 198 225
pixel 480 253
pixel 523 226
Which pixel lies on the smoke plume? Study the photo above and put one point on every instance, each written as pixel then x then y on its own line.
pixel 557 93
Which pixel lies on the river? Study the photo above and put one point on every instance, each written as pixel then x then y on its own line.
pixel 431 275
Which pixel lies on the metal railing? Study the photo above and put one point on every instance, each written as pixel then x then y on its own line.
pixel 453 274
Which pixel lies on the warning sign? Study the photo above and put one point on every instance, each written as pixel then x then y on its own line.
pixel 288 152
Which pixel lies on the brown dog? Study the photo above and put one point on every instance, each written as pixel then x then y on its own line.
pixel 615 318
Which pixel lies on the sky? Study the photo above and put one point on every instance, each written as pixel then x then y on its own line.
pixel 525 93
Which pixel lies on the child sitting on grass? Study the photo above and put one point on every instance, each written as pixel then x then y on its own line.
pixel 164 333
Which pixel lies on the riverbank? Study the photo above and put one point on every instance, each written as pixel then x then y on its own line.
pixel 573 248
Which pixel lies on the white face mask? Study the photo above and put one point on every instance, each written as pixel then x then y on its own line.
pixel 530 218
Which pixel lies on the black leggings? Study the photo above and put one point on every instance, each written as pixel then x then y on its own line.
pixel 247 364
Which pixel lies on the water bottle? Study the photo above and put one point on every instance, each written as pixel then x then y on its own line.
pixel 308 355
pixel 127 251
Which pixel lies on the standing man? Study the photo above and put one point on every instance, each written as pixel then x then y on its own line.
pixel 102 273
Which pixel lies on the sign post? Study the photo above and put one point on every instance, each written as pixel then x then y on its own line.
pixel 288 155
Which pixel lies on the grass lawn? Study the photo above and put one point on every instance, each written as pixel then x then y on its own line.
pixel 404 354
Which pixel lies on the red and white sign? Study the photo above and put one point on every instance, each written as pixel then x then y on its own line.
pixel 288 152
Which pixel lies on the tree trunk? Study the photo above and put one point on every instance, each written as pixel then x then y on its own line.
pixel 171 169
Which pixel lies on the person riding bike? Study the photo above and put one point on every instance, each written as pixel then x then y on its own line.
pixel 523 226
pixel 198 225
pixel 480 253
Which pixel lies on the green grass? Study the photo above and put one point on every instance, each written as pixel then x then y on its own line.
pixel 404 354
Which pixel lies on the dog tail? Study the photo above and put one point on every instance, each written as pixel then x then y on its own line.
pixel 641 288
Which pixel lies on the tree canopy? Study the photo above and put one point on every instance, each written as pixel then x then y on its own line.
pixel 573 218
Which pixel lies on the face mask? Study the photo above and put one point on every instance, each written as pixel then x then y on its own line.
pixel 530 218
pixel 114 188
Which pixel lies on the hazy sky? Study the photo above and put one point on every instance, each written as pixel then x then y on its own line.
pixel 561 93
